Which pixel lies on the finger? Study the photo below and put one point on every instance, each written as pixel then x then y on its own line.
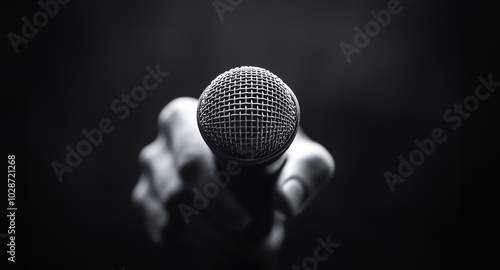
pixel 155 217
pixel 309 166
pixel 158 167
pixel 178 123
pixel 157 183
pixel 196 164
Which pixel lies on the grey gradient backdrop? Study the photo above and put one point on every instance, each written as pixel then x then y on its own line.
pixel 365 113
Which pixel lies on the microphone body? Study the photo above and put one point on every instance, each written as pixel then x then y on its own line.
pixel 249 116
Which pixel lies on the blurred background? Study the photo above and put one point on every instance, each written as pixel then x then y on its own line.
pixel 365 113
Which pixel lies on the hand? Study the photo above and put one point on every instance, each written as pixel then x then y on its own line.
pixel 178 162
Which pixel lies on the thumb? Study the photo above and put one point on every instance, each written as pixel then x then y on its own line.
pixel 309 166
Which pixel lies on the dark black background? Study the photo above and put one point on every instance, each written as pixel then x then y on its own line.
pixel 365 113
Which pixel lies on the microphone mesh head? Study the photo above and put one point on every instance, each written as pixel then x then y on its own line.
pixel 248 115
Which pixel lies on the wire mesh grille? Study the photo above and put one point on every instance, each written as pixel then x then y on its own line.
pixel 247 113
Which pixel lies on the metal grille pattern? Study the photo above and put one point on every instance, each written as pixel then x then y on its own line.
pixel 248 113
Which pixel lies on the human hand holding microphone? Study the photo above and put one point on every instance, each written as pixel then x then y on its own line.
pixel 239 153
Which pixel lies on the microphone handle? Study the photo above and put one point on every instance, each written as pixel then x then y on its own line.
pixel 254 188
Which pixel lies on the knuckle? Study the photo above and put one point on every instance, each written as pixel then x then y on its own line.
pixel 145 164
pixel 144 156
pixel 150 151
pixel 140 191
pixel 174 110
pixel 321 163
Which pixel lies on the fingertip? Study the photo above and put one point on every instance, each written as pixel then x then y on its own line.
pixel 309 167
pixel 140 191
pixel 294 194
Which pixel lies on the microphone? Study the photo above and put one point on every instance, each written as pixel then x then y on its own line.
pixel 249 116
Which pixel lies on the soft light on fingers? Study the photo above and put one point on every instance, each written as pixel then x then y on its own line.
pixel 308 168
pixel 155 216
